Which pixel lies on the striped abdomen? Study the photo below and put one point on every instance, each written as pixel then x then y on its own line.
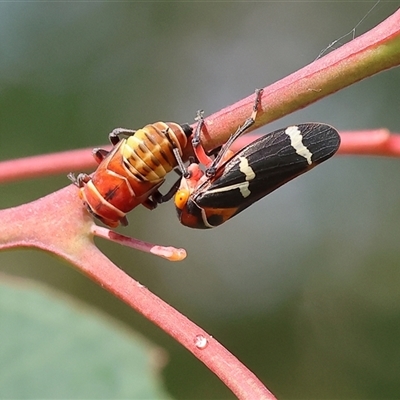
pixel 132 171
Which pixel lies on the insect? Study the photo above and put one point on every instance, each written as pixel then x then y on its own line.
pixel 131 173
pixel 232 182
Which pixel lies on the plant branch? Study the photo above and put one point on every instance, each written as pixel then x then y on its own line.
pixel 63 231
pixel 374 142
pixel 60 224
pixel 373 52
pixel 47 164
pixel 169 253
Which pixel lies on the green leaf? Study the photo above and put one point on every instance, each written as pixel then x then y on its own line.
pixel 52 348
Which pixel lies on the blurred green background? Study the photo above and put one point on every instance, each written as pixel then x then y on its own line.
pixel 303 287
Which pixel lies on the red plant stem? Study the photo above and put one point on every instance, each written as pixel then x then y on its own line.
pixel 373 52
pixel 169 253
pixel 241 381
pixel 46 164
pixel 377 142
pixel 58 232
pixel 59 224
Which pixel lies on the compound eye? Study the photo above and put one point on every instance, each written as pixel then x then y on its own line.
pixel 181 198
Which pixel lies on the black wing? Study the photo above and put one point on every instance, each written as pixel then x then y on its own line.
pixel 268 163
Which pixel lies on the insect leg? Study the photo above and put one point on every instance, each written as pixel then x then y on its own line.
pixel 198 149
pixel 177 154
pixel 117 133
pixel 79 180
pixel 211 170
pixel 99 154
pixel 162 198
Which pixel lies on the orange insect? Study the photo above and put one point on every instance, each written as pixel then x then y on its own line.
pixel 131 173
